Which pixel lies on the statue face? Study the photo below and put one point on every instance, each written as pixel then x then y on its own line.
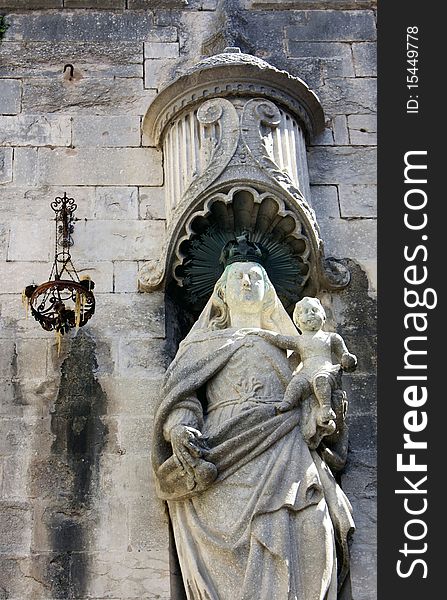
pixel 245 288
pixel 309 315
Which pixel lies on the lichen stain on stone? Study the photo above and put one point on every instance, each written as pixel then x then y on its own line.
pixel 80 435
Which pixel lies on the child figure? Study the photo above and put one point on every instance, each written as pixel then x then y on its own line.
pixel 316 373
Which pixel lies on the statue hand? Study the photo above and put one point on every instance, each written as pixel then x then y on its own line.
pixel 326 419
pixel 187 447
pixel 348 362
pixel 284 407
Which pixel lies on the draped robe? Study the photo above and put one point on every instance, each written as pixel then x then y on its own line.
pixel 271 524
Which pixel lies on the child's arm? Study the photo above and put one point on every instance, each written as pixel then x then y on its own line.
pixel 347 360
pixel 285 342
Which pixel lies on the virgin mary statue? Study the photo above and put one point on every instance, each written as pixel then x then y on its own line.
pixel 256 513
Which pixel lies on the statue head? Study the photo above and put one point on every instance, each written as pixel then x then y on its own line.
pixel 243 287
pixel 309 314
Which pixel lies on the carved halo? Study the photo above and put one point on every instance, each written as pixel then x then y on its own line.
pixel 194 259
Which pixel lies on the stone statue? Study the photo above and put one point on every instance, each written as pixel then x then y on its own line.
pixel 255 509
pixel 316 374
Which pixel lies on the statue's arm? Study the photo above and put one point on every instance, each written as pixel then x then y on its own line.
pixel 347 360
pixel 285 342
pixel 188 413
pixel 182 429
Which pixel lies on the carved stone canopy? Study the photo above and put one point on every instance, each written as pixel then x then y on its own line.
pixel 233 132
pixel 234 74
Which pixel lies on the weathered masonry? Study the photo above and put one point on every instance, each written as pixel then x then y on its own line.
pixel 79 517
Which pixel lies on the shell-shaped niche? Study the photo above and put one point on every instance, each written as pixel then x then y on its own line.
pixel 196 265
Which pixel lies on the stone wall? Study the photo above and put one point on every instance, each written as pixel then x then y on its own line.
pixel 78 516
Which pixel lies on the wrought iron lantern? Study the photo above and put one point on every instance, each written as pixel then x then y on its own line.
pixel 65 301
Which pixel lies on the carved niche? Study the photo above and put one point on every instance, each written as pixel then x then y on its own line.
pixel 233 132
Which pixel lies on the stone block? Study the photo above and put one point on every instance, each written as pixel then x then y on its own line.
pixel 128 396
pixel 31 359
pixel 365 59
pixel 112 531
pixel 365 348
pixel 25 167
pixel 139 316
pixel 16 435
pixel 39 130
pixel 312 4
pixel 28 202
pixel 87 26
pixel 361 391
pixel 209 4
pixel 158 72
pixel 359 477
pixel 126 476
pixel 119 240
pixel 363 129
pixel 125 275
pixel 134 435
pixel 330 59
pixel 108 4
pixel 346 165
pixel 356 239
pixel 31 241
pixel 160 4
pixel 358 200
pixel 125 574
pixel 115 203
pixel 4 241
pixel 33 5
pixel 123 131
pixel 324 200
pixel 10 93
pixel 365 510
pixel 363 572
pixel 5 165
pixel 16 275
pixel 7 358
pixel 362 433
pixel 15 528
pixel 11 404
pixel 332 26
pixel 161 50
pixel 100 166
pixel 325 138
pixel 348 96
pixel 142 358
pixel 48 474
pixel 314 71
pixel 21 577
pixel 105 96
pixel 15 475
pixel 151 512
pixel 13 323
pixel 90 59
pixel 152 203
pixel 341 134
pixel 100 272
